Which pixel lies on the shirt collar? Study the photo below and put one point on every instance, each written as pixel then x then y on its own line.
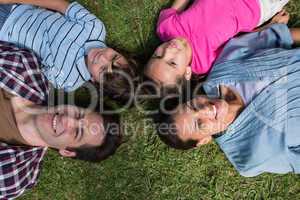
pixel 93 44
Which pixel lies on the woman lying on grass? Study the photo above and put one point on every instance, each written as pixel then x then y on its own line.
pixel 194 35
pixel 252 107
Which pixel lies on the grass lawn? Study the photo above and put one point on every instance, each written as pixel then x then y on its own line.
pixel 144 168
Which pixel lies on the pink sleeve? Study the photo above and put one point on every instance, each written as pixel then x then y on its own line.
pixel 167 23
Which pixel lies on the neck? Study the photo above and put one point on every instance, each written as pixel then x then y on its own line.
pixel 25 112
pixel 235 102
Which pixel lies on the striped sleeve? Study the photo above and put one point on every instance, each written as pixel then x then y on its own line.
pixel 81 15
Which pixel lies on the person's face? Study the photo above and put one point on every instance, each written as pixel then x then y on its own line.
pixel 70 126
pixel 169 61
pixel 100 60
pixel 201 118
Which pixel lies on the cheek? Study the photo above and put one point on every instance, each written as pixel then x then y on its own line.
pixel 212 127
pixel 208 127
pixel 63 141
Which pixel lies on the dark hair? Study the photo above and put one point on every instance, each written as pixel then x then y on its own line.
pixel 111 142
pixel 169 135
pixel 165 90
pixel 115 85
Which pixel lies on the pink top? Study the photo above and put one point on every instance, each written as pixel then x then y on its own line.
pixel 207 25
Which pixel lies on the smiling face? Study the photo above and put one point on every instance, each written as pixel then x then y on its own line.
pixel 170 62
pixel 100 60
pixel 70 127
pixel 201 118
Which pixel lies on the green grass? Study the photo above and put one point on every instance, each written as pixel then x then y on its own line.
pixel 144 168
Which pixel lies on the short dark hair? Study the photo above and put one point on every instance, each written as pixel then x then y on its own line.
pixel 111 142
pixel 169 135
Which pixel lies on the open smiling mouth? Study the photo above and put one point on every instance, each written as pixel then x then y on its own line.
pixel 54 124
pixel 215 111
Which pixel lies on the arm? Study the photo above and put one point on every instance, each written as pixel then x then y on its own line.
pixel 180 5
pixel 295 33
pixel 280 18
pixel 57 5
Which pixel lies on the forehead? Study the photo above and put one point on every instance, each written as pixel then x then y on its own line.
pixel 93 129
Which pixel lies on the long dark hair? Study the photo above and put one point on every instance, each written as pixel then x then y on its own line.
pixel 115 85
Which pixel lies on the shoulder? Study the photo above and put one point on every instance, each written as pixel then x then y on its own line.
pixel 167 15
pixel 167 24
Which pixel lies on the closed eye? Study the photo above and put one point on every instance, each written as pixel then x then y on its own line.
pixel 172 63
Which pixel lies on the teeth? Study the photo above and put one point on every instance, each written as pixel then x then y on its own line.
pixel 54 123
pixel 215 110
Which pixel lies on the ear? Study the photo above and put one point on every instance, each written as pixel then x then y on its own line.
pixel 67 153
pixel 204 141
pixel 188 73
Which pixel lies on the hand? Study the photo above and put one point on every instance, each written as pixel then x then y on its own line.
pixel 57 5
pixel 180 5
pixel 282 17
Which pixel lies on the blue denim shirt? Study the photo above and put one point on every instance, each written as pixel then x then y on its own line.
pixel 265 137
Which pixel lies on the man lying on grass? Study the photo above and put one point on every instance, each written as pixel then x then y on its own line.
pixel 251 108
pixel 28 127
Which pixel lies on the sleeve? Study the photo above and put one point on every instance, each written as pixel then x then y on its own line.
pixel 167 22
pixel 20 74
pixel 276 36
pixel 77 13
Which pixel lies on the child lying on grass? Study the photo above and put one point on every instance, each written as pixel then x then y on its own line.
pixel 69 40
pixel 193 38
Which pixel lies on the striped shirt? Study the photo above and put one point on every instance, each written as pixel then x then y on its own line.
pixel 61 41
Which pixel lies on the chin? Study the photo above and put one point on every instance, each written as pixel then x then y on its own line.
pixel 222 108
pixel 44 121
